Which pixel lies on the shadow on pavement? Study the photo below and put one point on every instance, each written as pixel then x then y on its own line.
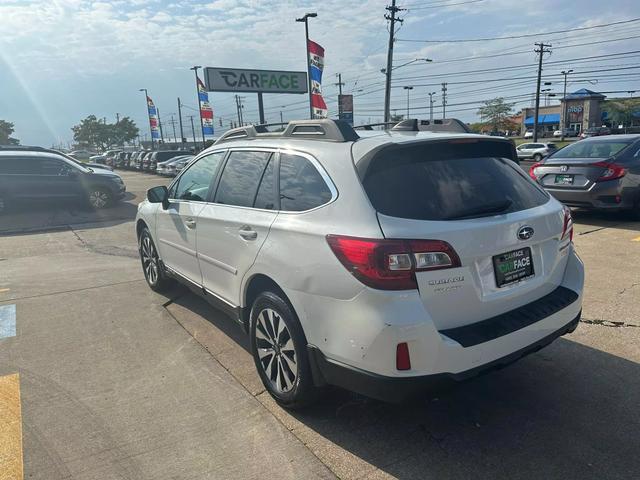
pixel 41 217
pixel 569 411
pixel 590 220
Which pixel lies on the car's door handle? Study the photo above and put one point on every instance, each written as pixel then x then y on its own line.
pixel 248 233
pixel 190 223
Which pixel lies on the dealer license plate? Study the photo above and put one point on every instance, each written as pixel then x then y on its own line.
pixel 513 266
pixel 564 180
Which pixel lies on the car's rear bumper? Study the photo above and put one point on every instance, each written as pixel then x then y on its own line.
pixel 399 389
pixel 611 195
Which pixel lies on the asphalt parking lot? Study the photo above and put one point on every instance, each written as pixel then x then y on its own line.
pixel 110 380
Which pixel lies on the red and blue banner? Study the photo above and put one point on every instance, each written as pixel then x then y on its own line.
pixel 153 119
pixel 206 112
pixel 316 66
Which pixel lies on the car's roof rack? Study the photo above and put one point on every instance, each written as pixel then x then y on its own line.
pixel 370 126
pixel 321 129
pixel 436 125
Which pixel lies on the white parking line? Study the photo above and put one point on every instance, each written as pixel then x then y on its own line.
pixel 7 321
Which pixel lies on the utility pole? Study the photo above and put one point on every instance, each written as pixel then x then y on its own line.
pixel 408 89
pixel 541 50
pixel 444 100
pixel 305 20
pixel 195 70
pixel 193 131
pixel 117 118
pixel 173 125
pixel 180 118
pixel 281 120
pixel 564 104
pixel 160 125
pixel 392 27
pixel 146 102
pixel 431 94
pixel 339 84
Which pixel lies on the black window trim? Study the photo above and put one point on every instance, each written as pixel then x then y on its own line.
pixel 68 163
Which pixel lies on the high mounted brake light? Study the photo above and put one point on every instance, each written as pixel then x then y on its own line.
pixel 388 264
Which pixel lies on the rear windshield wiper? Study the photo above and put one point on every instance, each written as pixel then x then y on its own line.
pixel 496 207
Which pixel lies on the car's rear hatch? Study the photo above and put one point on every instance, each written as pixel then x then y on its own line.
pixel 504 229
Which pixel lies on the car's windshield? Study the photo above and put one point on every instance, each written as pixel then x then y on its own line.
pixel 592 149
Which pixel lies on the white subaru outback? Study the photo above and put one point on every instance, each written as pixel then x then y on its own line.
pixel 383 264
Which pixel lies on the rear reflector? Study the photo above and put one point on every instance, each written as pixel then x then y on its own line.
pixel 403 361
pixel 387 264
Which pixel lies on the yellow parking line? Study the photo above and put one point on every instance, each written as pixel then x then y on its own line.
pixel 10 428
pixel 637 239
pixel 2 290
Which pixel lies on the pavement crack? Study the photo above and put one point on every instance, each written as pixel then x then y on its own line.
pixel 73 290
pixel 628 288
pixel 608 323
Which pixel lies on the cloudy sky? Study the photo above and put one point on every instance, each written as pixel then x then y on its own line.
pixel 61 60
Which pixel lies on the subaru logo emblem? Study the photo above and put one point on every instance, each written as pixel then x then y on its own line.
pixel 564 168
pixel 525 232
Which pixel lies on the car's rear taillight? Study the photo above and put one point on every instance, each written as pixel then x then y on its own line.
pixel 613 171
pixel 388 264
pixel 532 171
pixel 567 227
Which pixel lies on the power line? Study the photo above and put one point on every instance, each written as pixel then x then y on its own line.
pixel 440 5
pixel 526 35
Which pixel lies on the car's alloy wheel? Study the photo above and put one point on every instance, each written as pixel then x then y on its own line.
pixel 149 258
pixel 152 267
pixel 276 351
pixel 99 198
pixel 279 349
pixel 537 157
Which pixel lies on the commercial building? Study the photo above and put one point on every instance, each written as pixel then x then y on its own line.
pixel 583 109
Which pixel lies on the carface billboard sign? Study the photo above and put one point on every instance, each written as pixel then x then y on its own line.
pixel 260 81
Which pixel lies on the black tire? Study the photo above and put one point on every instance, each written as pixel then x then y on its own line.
pixel 275 364
pixel 99 197
pixel 152 267
pixel 537 157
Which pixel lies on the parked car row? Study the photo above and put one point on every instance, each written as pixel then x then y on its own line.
pixel 162 162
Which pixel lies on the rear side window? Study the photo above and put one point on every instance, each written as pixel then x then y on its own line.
pixel 447 181
pixel 241 177
pixel 301 185
pixel 32 166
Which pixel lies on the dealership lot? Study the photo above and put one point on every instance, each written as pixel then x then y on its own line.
pixel 118 382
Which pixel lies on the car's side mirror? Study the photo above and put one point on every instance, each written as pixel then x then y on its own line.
pixel 159 195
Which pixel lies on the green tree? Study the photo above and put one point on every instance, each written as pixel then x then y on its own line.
pixel 94 133
pixel 6 129
pixel 496 112
pixel 620 113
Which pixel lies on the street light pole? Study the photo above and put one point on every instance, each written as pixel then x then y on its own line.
pixel 195 70
pixel 305 19
pixel 180 119
pixel 564 103
pixel 431 94
pixel 408 89
pixel 146 101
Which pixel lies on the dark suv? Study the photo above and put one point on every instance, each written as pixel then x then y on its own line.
pixel 28 174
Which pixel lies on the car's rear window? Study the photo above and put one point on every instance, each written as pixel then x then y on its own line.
pixel 446 181
pixel 592 149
